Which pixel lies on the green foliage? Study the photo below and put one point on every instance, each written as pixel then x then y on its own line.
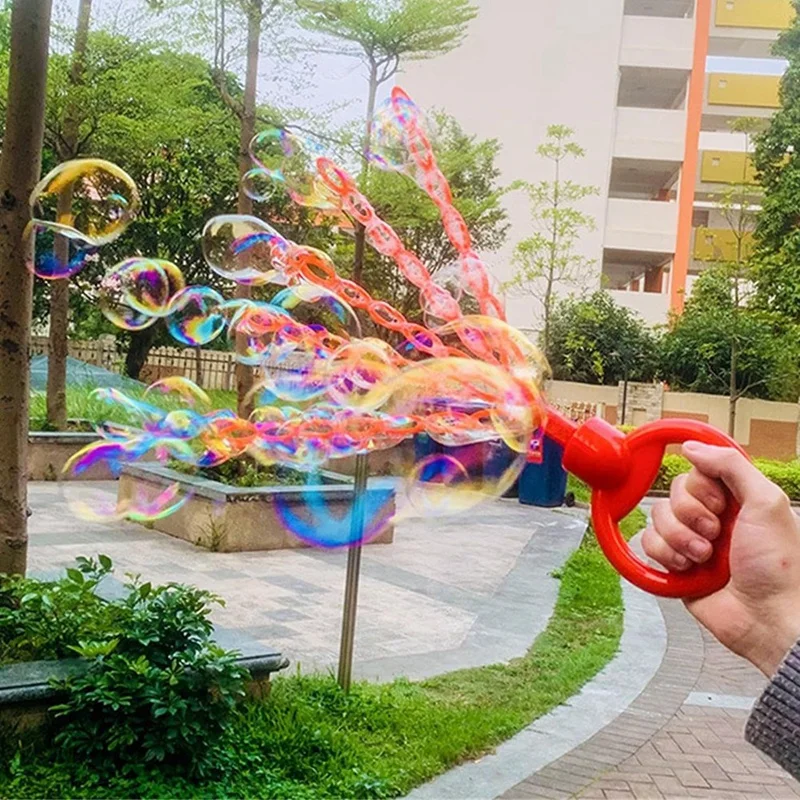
pixel 785 474
pixel 777 160
pixel 244 473
pixel 387 32
pixel 696 351
pixel 157 690
pixel 548 259
pixel 41 620
pixel 310 740
pixel 593 340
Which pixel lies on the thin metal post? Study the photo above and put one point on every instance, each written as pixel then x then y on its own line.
pixel 353 573
pixel 624 398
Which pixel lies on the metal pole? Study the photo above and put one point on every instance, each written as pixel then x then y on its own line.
pixel 624 397
pixel 353 573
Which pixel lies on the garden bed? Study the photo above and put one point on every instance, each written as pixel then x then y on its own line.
pixel 49 451
pixel 225 518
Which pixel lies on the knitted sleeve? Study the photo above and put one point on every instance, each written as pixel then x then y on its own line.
pixel 774 725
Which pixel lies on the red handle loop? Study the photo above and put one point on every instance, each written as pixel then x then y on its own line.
pixel 644 451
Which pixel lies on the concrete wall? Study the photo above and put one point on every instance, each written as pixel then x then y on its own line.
pixel 764 429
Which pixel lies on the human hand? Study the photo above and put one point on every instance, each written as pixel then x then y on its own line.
pixel 757 615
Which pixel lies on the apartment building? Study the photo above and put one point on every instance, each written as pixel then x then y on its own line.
pixel 640 82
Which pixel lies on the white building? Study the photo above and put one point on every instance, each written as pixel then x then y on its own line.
pixel 634 79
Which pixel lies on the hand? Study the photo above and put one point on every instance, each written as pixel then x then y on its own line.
pixel 757 615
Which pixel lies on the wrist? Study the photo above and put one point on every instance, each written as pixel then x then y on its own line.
pixel 776 642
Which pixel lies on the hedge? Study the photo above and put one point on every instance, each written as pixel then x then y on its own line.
pixel 785 474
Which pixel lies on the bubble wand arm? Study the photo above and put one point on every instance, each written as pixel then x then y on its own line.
pixel 620 470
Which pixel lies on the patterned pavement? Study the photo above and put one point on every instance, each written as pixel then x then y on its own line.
pixel 449 593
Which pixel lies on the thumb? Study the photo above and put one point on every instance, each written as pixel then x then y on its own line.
pixel 730 466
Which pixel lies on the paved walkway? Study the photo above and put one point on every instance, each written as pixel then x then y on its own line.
pixel 682 737
pixel 449 593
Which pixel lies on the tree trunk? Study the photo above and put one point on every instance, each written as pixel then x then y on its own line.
pixel 244 373
pixel 59 295
pixel 733 397
pixel 138 350
pixel 20 167
pixel 361 233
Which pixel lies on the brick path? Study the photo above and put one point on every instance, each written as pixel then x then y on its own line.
pixel 682 737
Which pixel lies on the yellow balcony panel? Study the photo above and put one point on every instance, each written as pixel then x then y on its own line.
pixel 724 166
pixel 770 14
pixel 720 244
pixel 753 91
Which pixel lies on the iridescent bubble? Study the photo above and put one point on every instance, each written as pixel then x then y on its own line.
pixel 57 251
pixel 194 316
pixel 93 197
pixel 242 248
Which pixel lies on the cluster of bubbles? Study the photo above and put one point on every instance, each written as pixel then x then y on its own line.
pixel 467 385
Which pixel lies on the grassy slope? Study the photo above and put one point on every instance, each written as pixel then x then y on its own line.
pixel 309 740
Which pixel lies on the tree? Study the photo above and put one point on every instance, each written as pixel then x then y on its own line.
pixel 733 268
pixel 20 167
pixel 696 353
pixel 777 160
pixel 383 34
pixel 470 168
pixel 67 146
pixel 548 258
pixel 594 340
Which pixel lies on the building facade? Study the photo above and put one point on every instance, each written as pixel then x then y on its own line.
pixel 639 82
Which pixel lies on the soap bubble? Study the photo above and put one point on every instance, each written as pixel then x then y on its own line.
pixel 194 316
pixel 243 249
pixel 57 251
pixel 93 197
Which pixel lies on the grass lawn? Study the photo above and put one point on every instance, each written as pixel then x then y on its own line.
pixel 81 405
pixel 309 740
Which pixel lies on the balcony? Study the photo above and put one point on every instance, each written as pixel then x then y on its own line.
pixel 720 244
pixel 654 134
pixel 644 225
pixel 721 166
pixel 663 43
pixel 775 15
pixel 651 87
pixel 733 90
pixel 659 8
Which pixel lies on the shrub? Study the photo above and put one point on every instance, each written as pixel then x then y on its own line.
pixel 784 474
pixel 157 690
pixel 46 619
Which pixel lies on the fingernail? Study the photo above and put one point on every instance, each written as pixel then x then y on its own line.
pixel 707 527
pixel 681 562
pixel 698 549
pixel 692 447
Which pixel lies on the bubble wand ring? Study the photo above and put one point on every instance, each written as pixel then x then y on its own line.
pixel 620 471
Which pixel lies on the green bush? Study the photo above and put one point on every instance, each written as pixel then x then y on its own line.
pixel 785 474
pixel 157 689
pixel 46 619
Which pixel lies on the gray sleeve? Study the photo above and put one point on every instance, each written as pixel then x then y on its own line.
pixel 774 725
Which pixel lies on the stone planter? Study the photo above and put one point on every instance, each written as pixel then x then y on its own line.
pixel 49 451
pixel 230 519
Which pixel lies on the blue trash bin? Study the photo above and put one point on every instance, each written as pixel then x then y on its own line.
pixel 544 484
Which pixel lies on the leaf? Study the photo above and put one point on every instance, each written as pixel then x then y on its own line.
pixel 75 575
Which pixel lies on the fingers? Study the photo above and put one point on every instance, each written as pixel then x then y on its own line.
pixel 657 548
pixel 731 467
pixel 697 501
pixel 681 538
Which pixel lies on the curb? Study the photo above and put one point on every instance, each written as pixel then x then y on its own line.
pixel 555 736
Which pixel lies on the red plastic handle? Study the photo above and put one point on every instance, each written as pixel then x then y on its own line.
pixel 633 464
